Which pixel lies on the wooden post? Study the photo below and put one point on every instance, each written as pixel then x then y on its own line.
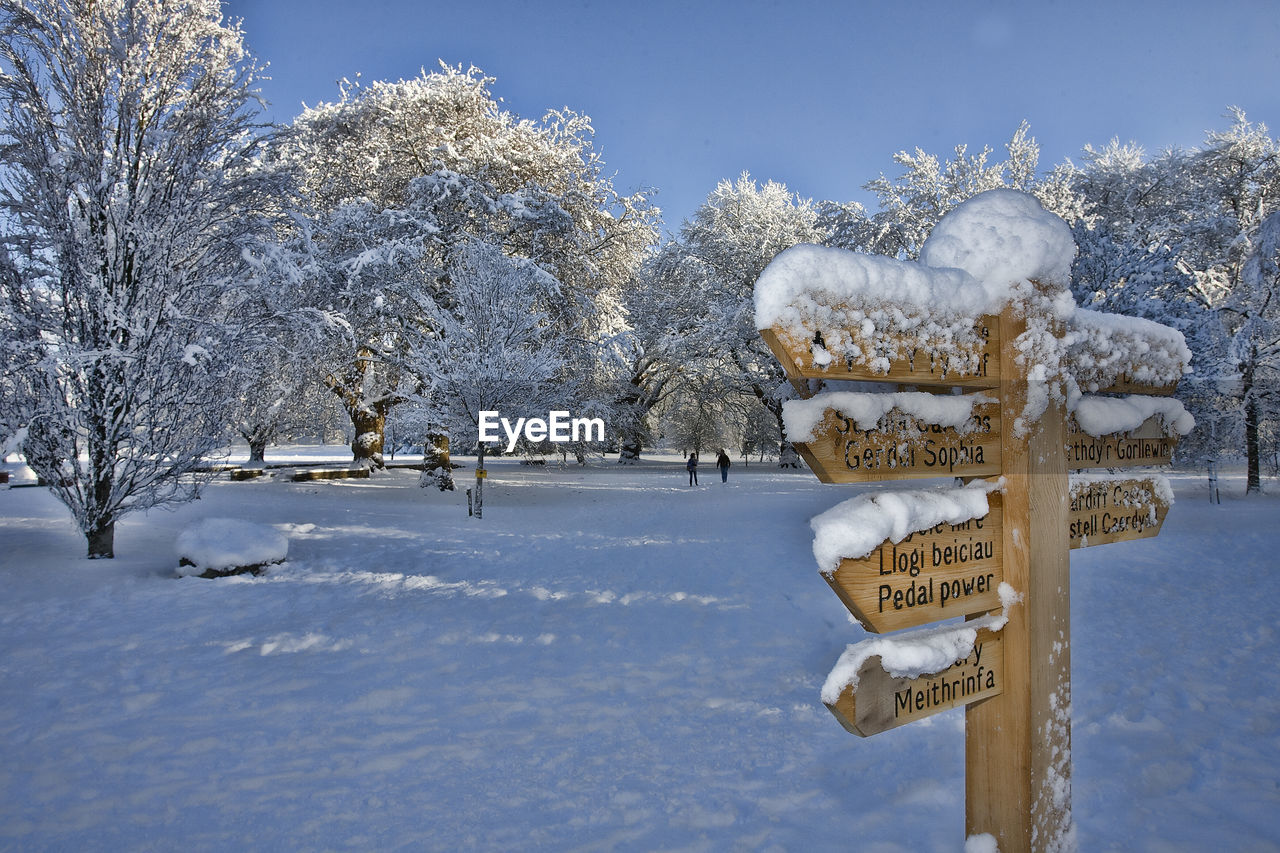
pixel 480 475
pixel 1018 744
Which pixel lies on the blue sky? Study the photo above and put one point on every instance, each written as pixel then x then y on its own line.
pixel 816 95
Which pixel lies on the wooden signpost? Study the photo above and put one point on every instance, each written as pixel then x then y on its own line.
pixel 1015 682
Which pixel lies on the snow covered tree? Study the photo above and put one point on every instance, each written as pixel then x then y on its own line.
pixel 911 204
pixel 1233 188
pixel 495 349
pixel 131 183
pixel 664 305
pixel 1252 314
pixel 277 379
pixel 403 175
pixel 729 241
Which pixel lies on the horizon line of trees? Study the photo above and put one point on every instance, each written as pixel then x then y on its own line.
pixel 174 271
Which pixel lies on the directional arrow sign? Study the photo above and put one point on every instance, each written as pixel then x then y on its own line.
pixel 903 447
pixel 1116 509
pixel 1117 354
pixel 881 702
pixel 947 570
pixel 1149 444
pixel 901 361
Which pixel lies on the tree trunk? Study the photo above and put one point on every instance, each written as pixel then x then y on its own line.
pixel 1251 444
pixel 257 450
pixel 102 536
pixel 99 521
pixel 436 467
pixel 368 414
pixel 370 424
pixel 787 456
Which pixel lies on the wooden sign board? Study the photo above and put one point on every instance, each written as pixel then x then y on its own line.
pixel 907 363
pixel 904 448
pixel 1117 510
pixel 882 702
pixel 1146 445
pixel 1123 385
pixel 948 570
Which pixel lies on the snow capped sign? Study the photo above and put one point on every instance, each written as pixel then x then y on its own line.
pixel 1124 355
pixel 877 699
pixel 1106 509
pixel 832 314
pixel 892 358
pixel 849 437
pixel 1116 432
pixel 951 567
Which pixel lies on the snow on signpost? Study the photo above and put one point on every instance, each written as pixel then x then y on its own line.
pixel 985 311
pixel 824 314
pixel 944 559
pixel 1116 432
pixel 851 437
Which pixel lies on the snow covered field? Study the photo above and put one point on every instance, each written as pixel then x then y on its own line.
pixel 609 660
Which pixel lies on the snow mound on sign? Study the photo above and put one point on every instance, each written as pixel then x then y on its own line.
pixel 1002 238
pixel 1101 416
pixel 801 418
pixel 1108 348
pixel 808 281
pixel 856 527
pixel 226 544
pixel 869 310
pixel 1137 491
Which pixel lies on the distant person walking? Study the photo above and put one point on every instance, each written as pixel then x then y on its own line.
pixel 692 467
pixel 722 461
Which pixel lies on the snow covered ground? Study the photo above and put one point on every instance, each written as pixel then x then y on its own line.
pixel 609 660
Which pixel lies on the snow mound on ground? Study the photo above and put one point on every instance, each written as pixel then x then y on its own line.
pixel 1002 238
pixel 219 544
